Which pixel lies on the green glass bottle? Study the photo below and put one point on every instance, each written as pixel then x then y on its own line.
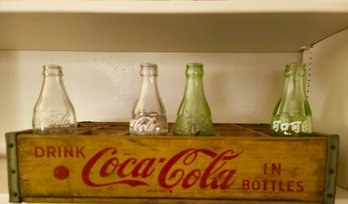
pixel 292 114
pixel 194 116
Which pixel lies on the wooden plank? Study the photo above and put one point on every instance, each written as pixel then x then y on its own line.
pixel 156 201
pixel 221 167
pixel 12 166
pixel 242 164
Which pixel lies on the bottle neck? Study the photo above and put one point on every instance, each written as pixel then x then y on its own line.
pixel 53 83
pixel 53 86
pixel 194 82
pixel 294 99
pixel 149 86
pixel 194 87
pixel 149 99
pixel 294 87
pixel 148 73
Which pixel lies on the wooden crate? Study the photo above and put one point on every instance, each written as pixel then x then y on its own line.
pixel 242 164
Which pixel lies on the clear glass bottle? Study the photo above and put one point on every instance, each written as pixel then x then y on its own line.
pixel 53 112
pixel 292 114
pixel 194 116
pixel 148 115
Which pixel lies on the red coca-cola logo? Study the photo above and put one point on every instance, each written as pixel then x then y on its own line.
pixel 181 170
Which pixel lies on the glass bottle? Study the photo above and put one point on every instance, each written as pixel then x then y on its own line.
pixel 53 112
pixel 292 114
pixel 148 115
pixel 194 116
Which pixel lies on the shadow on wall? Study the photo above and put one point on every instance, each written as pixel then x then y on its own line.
pixel 329 88
pixel 218 95
pixel 244 94
pixel 12 116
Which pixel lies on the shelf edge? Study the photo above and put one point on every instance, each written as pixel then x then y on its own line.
pixel 174 6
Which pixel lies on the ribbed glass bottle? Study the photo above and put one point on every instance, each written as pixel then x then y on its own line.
pixel 292 114
pixel 53 112
pixel 194 116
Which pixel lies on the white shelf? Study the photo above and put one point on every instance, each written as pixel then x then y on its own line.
pixel 173 6
pixel 169 26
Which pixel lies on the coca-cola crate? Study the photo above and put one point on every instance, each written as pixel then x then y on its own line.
pixel 242 164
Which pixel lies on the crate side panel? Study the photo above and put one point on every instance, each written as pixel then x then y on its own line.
pixel 12 167
pixel 256 168
pixel 332 168
pixel 156 201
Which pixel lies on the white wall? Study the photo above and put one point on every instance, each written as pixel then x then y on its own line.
pixel 104 86
pixel 329 93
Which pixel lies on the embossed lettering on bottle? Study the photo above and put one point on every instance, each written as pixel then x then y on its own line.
pixel 53 112
pixel 148 115
pixel 194 116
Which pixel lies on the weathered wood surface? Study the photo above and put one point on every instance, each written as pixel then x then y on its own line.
pixel 157 201
pixel 239 165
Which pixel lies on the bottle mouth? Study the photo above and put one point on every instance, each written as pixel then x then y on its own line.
pixel 148 69
pixel 52 69
pixel 194 69
pixel 295 69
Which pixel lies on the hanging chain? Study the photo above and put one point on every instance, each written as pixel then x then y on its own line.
pixel 307 55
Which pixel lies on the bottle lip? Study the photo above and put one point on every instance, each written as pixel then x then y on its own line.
pixel 148 69
pixel 296 65
pixel 194 64
pixel 148 64
pixel 295 69
pixel 194 69
pixel 52 69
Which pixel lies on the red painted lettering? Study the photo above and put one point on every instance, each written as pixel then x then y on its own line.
pixel 211 176
pixel 276 168
pixel 79 152
pixel 300 186
pixel 129 162
pixel 108 168
pixel 265 185
pixel 245 184
pixel 191 178
pixel 225 175
pixel 59 152
pixel 273 182
pixel 39 152
pixel 256 185
pixel 51 151
pixel 177 171
pixel 281 187
pixel 68 152
pixel 291 186
pixel 272 185
pixel 144 168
